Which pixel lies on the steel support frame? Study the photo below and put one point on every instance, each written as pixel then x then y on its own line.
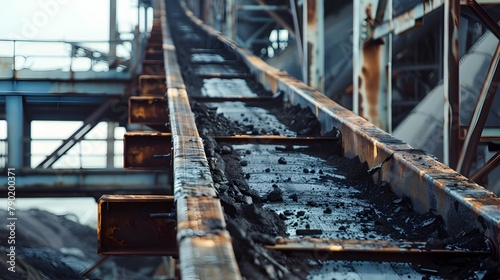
pixel 372 63
pixel 483 104
pixel 78 135
pixel 480 115
pixel 451 83
pixel 313 60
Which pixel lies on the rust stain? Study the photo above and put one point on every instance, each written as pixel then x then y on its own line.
pixel 311 12
pixel 369 83
pixel 370 76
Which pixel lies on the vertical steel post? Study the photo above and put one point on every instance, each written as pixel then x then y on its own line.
pixel 14 114
pixel 451 82
pixel 110 143
pixel 388 119
pixel 480 115
pixel 113 32
pixel 372 62
pixel 313 67
pixel 356 66
pixel 27 142
pixel 231 19
pixel 296 27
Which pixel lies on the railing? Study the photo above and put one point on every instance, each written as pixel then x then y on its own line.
pixel 88 153
pixel 67 56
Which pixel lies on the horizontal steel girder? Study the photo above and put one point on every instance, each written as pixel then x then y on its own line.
pixel 37 88
pixel 72 182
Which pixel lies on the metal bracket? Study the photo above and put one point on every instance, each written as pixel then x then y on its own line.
pixel 148 110
pixel 126 225
pixel 147 150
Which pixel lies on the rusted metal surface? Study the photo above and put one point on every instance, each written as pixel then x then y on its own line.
pixel 463 204
pixel 372 63
pixel 125 225
pixel 451 83
pixel 148 110
pixel 147 150
pixel 375 250
pixel 152 85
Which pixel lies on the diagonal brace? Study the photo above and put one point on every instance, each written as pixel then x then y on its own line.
pixel 87 126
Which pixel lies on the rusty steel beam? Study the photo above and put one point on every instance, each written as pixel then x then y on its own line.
pixel 480 115
pixel 374 250
pixel 205 247
pixel 126 225
pixel 451 83
pixel 493 163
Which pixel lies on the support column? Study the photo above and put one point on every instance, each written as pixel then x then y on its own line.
pixel 451 82
pixel 14 115
pixel 110 141
pixel 113 32
pixel 313 66
pixel 231 19
pixel 372 63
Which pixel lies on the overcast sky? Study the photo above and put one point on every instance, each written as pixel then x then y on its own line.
pixel 72 20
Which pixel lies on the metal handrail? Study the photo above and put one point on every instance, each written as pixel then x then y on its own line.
pixel 71 50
